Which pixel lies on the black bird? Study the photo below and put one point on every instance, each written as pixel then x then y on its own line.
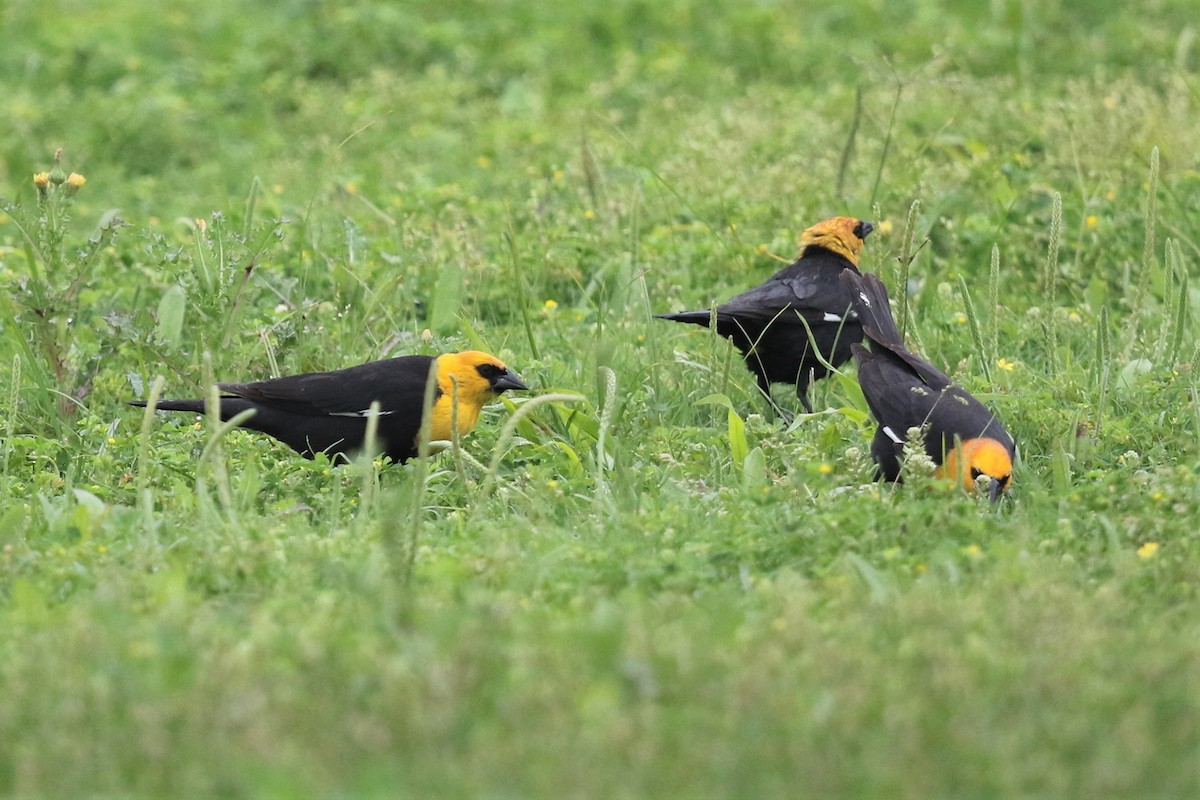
pixel 903 390
pixel 776 323
pixel 326 412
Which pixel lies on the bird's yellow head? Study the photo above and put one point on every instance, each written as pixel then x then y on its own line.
pixel 976 457
pixel 479 378
pixel 841 235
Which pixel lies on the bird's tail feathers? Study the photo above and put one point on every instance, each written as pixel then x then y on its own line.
pixel 692 317
pixel 195 406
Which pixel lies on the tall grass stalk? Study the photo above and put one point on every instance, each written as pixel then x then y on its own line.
pixel 10 413
pixel 367 463
pixel 1102 365
pixel 419 484
pixel 607 411
pixel 1177 319
pixel 976 329
pixel 1149 262
pixel 908 253
pixel 145 497
pixel 994 305
pixel 1050 279
pixel 522 292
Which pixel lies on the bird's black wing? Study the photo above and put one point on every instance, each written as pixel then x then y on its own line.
pixel 900 399
pixel 813 293
pixel 873 309
pixel 398 384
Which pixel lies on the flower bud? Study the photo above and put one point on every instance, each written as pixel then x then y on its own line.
pixel 42 181
pixel 74 182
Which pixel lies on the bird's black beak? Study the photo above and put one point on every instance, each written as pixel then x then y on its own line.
pixel 995 490
pixel 862 229
pixel 508 380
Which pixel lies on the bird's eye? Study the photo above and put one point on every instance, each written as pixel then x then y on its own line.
pixel 489 371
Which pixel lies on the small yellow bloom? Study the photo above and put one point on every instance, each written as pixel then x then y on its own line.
pixel 483 162
pixel 75 180
pixel 589 214
pixel 1110 195
pixel 825 469
pixel 973 550
pixel 351 187
pixel 41 180
pixel 201 225
pixel 1147 550
pixel 552 484
pixel 762 248
pixel 1074 316
pixel 1005 365
pixel 960 318
pixel 559 174
pixel 885 227
pixel 111 440
pixel 550 305
pixel 1092 222
pixel 921 569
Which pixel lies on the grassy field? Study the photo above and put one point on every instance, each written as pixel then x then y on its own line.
pixel 648 591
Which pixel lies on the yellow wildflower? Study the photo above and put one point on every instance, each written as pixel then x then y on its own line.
pixel 1092 222
pixel 1005 365
pixel 1147 550
pixel 885 227
pixel 483 162
pixel 75 182
pixel 41 180
pixel 825 469
pixel 550 305
pixel 589 214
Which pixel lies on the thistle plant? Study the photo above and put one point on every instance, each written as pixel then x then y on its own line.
pixel 48 276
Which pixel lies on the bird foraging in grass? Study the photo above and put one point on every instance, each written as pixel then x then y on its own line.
pixel 777 323
pixel 327 412
pixel 961 435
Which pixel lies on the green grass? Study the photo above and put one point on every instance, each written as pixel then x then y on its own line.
pixel 661 593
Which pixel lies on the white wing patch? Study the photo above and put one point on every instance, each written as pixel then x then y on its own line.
pixel 831 317
pixel 891 434
pixel 866 300
pixel 366 412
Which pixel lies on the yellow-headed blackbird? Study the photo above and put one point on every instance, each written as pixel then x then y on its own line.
pixel 326 412
pixel 776 323
pixel 962 436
